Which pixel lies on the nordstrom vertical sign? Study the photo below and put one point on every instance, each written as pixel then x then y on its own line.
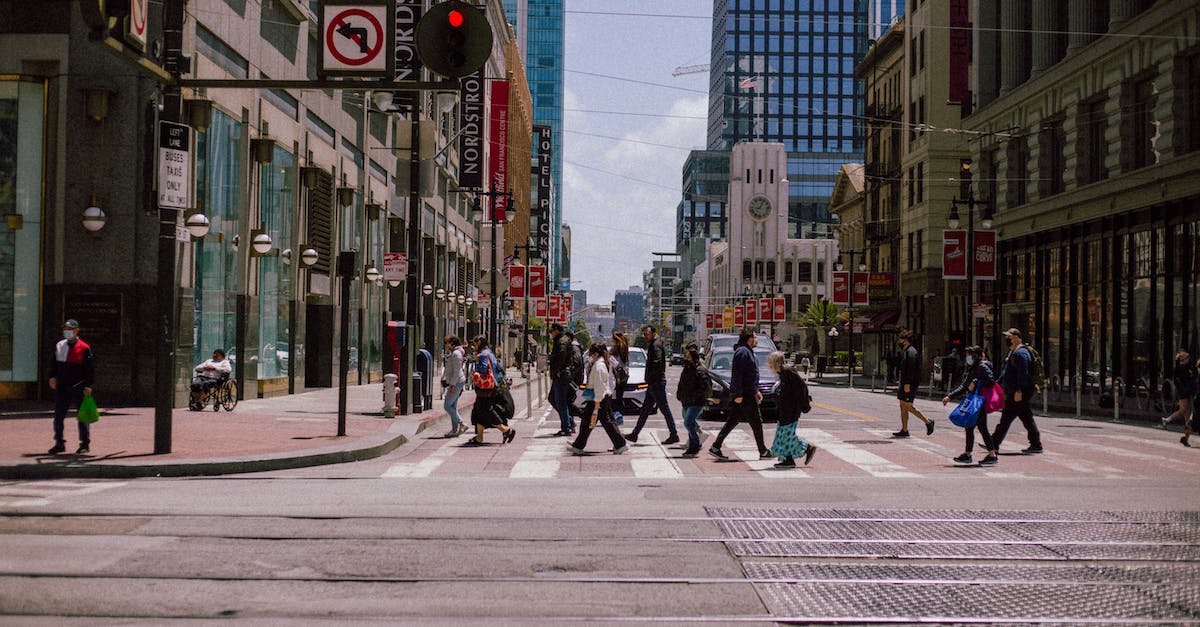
pixel 407 63
pixel 470 142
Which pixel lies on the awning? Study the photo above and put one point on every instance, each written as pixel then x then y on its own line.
pixel 882 322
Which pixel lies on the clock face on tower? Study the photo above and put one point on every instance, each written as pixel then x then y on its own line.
pixel 759 208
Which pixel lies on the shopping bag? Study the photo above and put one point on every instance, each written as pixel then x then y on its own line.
pixel 485 383
pixel 993 398
pixel 88 412
pixel 967 411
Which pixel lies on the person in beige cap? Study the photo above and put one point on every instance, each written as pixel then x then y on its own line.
pixel 1016 378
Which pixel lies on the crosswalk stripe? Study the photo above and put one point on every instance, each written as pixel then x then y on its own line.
pixel 542 457
pixel 870 462
pixel 652 461
pixel 39 493
pixel 743 446
pixel 426 466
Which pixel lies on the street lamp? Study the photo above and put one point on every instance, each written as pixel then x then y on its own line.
pixel 833 335
pixel 986 222
pixel 862 267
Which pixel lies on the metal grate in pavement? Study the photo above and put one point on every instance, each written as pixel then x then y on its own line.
pixel 953 515
pixel 785 548
pixel 908 602
pixel 1167 575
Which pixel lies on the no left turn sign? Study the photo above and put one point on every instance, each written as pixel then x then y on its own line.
pixel 354 39
pixel 137 21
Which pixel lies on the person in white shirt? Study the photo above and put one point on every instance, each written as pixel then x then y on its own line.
pixel 454 379
pixel 600 386
pixel 209 375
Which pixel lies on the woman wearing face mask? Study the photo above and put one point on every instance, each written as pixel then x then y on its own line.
pixel 978 375
pixel 1185 389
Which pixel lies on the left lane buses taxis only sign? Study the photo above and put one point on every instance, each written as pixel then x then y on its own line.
pixel 174 165
pixel 353 38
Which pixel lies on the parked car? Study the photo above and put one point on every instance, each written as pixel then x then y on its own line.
pixel 676 359
pixel 720 366
pixel 635 388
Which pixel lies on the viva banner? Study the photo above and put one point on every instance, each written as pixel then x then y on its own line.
pixel 985 255
pixel 537 281
pixel 841 287
pixel 498 149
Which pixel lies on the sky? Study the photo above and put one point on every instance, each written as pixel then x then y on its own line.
pixel 628 126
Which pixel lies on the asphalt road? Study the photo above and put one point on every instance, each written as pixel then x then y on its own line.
pixel 1102 527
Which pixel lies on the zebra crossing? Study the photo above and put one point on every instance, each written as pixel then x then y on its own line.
pixel 867 450
pixel 41 493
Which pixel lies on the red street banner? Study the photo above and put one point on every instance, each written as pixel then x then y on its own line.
pixel 764 310
pixel 862 283
pixel 752 311
pixel 985 255
pixel 708 321
pixel 780 309
pixel 739 315
pixel 498 149
pixel 555 308
pixel 537 281
pixel 568 306
pixel 539 308
pixel 960 51
pixel 516 281
pixel 841 287
pixel 954 254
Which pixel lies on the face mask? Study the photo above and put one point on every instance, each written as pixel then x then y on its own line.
pixel 970 360
pixel 69 335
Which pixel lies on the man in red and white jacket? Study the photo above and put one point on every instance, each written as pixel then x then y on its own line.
pixel 72 372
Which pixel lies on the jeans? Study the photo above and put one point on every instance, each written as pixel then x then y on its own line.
pixel 450 403
pixel 560 400
pixel 691 421
pixel 1013 410
pixel 64 397
pixel 980 424
pixel 658 391
pixel 746 410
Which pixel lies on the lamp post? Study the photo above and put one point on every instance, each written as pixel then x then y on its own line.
pixel 953 221
pixel 862 267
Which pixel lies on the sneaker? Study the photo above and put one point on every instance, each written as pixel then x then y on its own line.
pixel 673 439
pixel 766 455
pixel 900 434
pixel 689 454
pixel 1184 441
pixel 621 449
pixel 575 450
pixel 786 462
pixel 463 428
pixel 716 452
pixel 82 450
pixel 929 428
pixel 1033 450
pixel 452 433
pixel 1166 420
pixel 808 454
pixel 509 435
pixel 473 442
pixel 632 437
pixel 965 458
pixel 990 460
pixel 56 449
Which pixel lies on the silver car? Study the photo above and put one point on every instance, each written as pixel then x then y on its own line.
pixel 635 388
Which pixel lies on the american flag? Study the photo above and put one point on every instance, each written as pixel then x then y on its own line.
pixel 748 83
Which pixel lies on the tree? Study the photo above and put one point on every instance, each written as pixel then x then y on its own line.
pixel 822 313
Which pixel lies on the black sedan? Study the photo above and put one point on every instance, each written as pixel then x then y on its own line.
pixel 720 364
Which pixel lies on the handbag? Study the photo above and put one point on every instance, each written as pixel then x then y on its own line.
pixel 967 411
pixel 993 398
pixel 485 384
pixel 87 411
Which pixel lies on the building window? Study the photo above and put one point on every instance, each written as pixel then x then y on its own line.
pixel 920 261
pixel 1138 104
pixel 912 192
pixel 911 252
pixel 1052 160
pixel 1018 168
pixel 920 182
pixel 1187 105
pixel 821 272
pixel 804 272
pixel 746 266
pixel 1092 145
pixel 788 275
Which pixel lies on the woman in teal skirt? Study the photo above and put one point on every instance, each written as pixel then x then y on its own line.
pixel 793 401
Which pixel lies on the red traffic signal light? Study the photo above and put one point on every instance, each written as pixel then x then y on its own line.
pixel 453 39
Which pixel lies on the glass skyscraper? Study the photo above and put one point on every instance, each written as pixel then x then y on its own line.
pixel 539 28
pixel 783 71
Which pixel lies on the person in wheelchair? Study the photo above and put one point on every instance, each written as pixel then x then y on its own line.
pixel 209 375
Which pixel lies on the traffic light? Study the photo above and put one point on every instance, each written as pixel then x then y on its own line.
pixel 453 39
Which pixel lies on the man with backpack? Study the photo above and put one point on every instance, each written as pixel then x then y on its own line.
pixel 562 384
pixel 1017 378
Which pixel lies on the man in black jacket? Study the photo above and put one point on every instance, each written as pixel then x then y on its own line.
pixel 562 386
pixel 656 381
pixel 910 380
pixel 744 396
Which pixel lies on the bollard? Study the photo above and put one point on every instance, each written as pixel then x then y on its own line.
pixel 1045 401
pixel 389 395
pixel 1078 395
pixel 1118 394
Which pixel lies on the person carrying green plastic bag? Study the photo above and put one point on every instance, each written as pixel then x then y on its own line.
pixel 72 371
pixel 88 412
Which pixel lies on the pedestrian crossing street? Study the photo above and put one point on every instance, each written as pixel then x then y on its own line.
pixel 40 493
pixel 861 449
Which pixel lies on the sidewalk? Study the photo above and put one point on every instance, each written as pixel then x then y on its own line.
pixel 259 435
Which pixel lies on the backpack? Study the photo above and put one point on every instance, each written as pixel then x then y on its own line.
pixel 1037 368
pixel 621 373
pixel 576 366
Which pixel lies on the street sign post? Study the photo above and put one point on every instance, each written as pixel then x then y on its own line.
pixel 174 164
pixel 395 266
pixel 353 39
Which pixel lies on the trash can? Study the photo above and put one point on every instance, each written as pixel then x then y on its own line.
pixel 822 363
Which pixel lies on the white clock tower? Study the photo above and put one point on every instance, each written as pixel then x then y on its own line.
pixel 758 214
